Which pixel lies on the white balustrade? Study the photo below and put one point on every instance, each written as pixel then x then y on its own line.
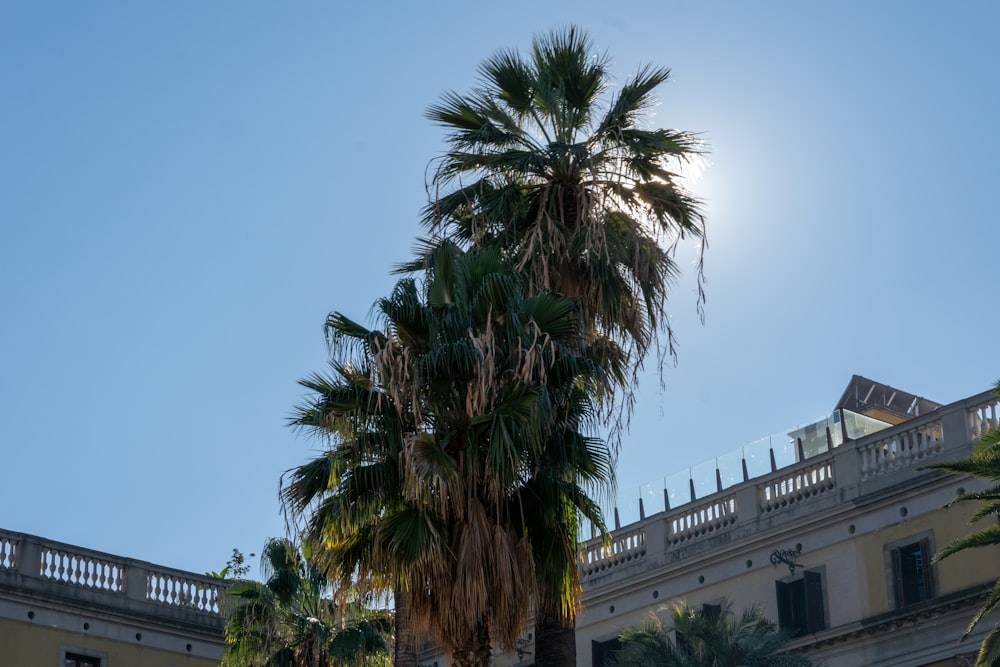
pixel 796 485
pixel 984 418
pixel 8 553
pixel 901 449
pixel 180 591
pixel 81 569
pixel 626 546
pixel 702 519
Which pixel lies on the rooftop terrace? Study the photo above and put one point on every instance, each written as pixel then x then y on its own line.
pixel 846 453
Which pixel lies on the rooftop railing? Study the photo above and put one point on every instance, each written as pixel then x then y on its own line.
pixel 760 457
pixel 33 563
pixel 775 473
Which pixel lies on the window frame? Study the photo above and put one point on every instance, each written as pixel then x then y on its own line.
pixel 894 568
pixel 602 649
pixel 801 601
pixel 75 652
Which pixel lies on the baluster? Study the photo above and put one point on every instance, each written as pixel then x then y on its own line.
pixel 906 447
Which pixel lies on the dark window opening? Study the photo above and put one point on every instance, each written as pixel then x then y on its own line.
pixel 601 652
pixel 77 660
pixel 800 604
pixel 911 573
pixel 711 612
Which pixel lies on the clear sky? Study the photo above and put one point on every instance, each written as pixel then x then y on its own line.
pixel 188 188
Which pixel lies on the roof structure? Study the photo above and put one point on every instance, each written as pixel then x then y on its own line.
pixel 880 401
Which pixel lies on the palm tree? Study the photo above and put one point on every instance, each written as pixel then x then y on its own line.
pixel 290 620
pixel 546 166
pixel 542 165
pixel 707 640
pixel 437 421
pixel 985 464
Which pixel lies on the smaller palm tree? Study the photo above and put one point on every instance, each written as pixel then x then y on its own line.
pixel 291 620
pixel 707 640
pixel 985 464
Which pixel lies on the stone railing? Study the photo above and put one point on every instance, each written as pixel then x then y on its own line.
pixel 794 485
pixel 983 417
pixel 707 517
pixel 184 591
pixel 8 552
pixel 855 468
pixel 626 546
pixel 79 569
pixel 901 449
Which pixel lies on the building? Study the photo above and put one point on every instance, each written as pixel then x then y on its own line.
pixel 66 606
pixel 830 528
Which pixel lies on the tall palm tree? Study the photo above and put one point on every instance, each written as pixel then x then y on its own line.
pixel 707 640
pixel 985 464
pixel 550 167
pixel 437 421
pixel 291 620
pixel 547 165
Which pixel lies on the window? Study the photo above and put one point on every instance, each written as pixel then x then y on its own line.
pixel 79 660
pixel 601 652
pixel 711 612
pixel 800 604
pixel 911 573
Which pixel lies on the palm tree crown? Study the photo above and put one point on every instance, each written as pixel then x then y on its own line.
pixel 707 640
pixel 437 422
pixel 546 164
pixel 291 620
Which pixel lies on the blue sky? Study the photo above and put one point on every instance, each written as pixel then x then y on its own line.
pixel 188 188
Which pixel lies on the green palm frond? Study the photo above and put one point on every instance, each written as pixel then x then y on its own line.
pixel 292 620
pixel 708 641
pixel 983 538
pixel 633 99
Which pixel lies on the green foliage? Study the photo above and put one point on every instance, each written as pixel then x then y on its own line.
pixel 695 639
pixel 547 162
pixel 236 567
pixel 459 468
pixel 984 464
pixel 454 446
pixel 295 619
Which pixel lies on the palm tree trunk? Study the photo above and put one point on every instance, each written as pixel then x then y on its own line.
pixel 405 649
pixel 475 652
pixel 555 640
